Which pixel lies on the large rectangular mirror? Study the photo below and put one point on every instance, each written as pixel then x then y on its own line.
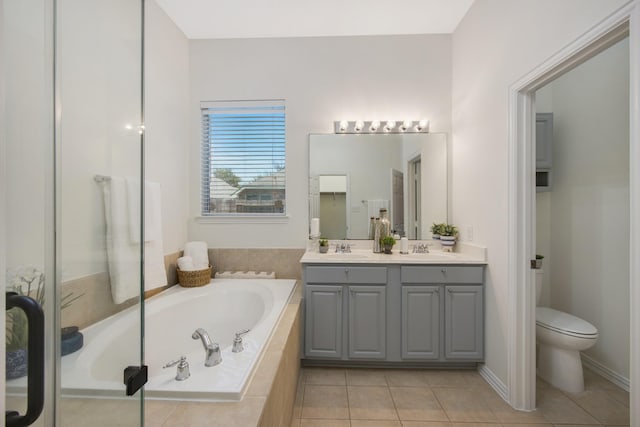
pixel 353 176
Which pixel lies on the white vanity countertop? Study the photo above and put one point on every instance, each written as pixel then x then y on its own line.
pixel 361 253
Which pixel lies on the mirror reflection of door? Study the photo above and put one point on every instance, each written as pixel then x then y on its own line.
pixel 397 197
pixel 415 198
pixel 333 206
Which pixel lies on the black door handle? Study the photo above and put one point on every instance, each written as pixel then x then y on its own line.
pixel 35 360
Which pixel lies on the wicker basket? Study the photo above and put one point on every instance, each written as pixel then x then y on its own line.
pixel 193 279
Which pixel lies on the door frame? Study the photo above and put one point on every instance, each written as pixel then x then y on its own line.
pixel 521 230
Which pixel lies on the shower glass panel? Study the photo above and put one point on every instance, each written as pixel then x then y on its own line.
pixel 100 173
pixel 26 184
pixel 70 112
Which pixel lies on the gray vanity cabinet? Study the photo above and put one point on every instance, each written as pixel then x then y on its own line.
pixel 460 300
pixel 421 322
pixel 336 293
pixel 423 314
pixel 323 325
pixel 367 322
pixel 463 323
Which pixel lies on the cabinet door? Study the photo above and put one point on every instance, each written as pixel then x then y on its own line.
pixel 367 322
pixel 544 140
pixel 323 321
pixel 464 339
pixel 421 322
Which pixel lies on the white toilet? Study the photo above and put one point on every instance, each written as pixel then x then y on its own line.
pixel 561 337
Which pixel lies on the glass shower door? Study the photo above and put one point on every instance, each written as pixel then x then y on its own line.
pixel 70 121
pixel 99 199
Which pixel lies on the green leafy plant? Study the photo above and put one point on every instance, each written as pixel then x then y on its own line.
pixel 538 256
pixel 323 242
pixel 436 229
pixel 27 281
pixel 448 230
pixel 388 241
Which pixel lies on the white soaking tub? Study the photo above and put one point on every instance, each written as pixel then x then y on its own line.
pixel 223 307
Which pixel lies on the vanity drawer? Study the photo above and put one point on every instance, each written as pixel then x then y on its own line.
pixel 441 274
pixel 346 274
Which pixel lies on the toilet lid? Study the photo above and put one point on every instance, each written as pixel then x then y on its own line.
pixel 564 323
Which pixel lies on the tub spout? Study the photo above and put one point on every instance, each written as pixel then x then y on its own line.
pixel 211 349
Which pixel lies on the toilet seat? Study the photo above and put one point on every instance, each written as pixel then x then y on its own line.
pixel 565 323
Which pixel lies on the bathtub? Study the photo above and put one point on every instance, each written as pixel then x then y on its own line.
pixel 222 308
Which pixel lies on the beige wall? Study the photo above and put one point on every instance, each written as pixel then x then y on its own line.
pixel 496 44
pixel 322 79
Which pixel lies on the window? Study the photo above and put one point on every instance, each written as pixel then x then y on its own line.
pixel 243 158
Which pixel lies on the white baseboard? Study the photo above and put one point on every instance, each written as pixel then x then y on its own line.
pixel 494 381
pixel 605 372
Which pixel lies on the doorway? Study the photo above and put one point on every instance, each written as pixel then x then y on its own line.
pixel 415 198
pixel 521 340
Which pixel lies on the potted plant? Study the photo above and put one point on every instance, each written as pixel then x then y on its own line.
pixel 323 245
pixel 387 243
pixel 448 236
pixel 27 281
pixel 24 281
pixel 537 263
pixel 436 230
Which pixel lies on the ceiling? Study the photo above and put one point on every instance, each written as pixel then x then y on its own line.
pixel 223 19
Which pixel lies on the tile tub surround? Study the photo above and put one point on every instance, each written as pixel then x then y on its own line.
pixel 97 304
pixel 285 262
pixel 359 397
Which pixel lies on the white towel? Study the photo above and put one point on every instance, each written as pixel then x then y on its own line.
pixel 123 255
pixel 152 210
pixel 185 263
pixel 199 252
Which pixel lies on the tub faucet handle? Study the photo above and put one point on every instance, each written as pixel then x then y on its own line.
pixel 237 342
pixel 182 371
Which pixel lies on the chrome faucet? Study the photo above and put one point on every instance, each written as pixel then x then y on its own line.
pixel 343 248
pixel 212 349
pixel 182 372
pixel 421 248
pixel 237 342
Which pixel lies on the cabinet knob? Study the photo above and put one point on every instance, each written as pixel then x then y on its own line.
pixel 346 270
pixel 443 270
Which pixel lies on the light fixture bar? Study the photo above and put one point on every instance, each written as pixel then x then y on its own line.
pixel 378 126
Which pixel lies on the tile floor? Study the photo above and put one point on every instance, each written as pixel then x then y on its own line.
pixel 337 397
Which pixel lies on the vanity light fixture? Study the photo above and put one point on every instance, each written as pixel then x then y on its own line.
pixel 375 126
pixel 422 126
pixel 389 126
pixel 406 125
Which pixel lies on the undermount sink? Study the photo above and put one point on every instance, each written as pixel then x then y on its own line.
pixel 345 255
pixel 429 256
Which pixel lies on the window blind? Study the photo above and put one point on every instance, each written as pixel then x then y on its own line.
pixel 243 158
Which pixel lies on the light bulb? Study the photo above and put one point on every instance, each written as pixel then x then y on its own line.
pixel 406 125
pixel 390 125
pixel 374 126
pixel 422 125
pixel 358 126
pixel 344 125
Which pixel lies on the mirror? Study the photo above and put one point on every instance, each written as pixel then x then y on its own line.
pixel 353 176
